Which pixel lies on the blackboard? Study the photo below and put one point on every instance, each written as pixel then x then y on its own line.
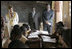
pixel 22 8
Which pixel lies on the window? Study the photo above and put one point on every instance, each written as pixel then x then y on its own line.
pixel 69 8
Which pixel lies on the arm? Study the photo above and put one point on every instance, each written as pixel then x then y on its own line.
pixel 7 20
pixel 44 18
pixel 17 18
pixel 51 19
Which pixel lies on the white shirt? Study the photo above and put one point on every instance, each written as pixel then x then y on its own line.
pixel 33 13
pixel 15 19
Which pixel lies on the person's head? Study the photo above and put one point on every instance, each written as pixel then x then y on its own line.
pixel 15 34
pixel 26 26
pixel 34 8
pixel 59 27
pixel 48 7
pixel 10 8
pixel 16 26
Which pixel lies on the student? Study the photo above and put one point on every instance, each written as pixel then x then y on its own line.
pixel 15 33
pixel 15 38
pixel 17 44
pixel 26 29
pixel 2 30
pixel 58 33
pixel 16 26
pixel 2 27
pixel 22 30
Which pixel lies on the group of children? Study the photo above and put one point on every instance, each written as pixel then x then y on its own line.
pixel 18 37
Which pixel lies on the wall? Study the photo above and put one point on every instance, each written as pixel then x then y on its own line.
pixel 66 17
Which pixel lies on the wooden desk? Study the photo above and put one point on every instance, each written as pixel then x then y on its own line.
pixel 38 42
pixel 34 42
pixel 48 42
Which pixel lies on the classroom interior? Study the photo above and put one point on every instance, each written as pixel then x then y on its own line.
pixel 40 38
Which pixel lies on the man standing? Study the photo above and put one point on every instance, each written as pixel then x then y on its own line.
pixel 33 19
pixel 48 16
pixel 11 18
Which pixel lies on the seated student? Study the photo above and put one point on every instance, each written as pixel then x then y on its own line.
pixel 58 33
pixel 17 44
pixel 2 30
pixel 15 39
pixel 22 30
pixel 2 27
pixel 59 28
pixel 26 29
pixel 26 26
pixel 15 32
pixel 14 28
pixel 23 39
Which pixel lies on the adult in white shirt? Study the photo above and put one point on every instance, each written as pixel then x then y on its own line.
pixel 11 18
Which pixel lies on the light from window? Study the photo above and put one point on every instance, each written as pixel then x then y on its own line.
pixel 70 8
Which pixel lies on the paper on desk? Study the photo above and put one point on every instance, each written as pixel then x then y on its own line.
pixel 39 32
pixel 48 39
pixel 33 36
pixel 35 33
pixel 44 32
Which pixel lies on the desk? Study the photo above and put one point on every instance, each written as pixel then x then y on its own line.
pixel 36 40
pixel 48 42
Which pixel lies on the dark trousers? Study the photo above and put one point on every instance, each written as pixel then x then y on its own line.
pixel 47 27
pixel 32 26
